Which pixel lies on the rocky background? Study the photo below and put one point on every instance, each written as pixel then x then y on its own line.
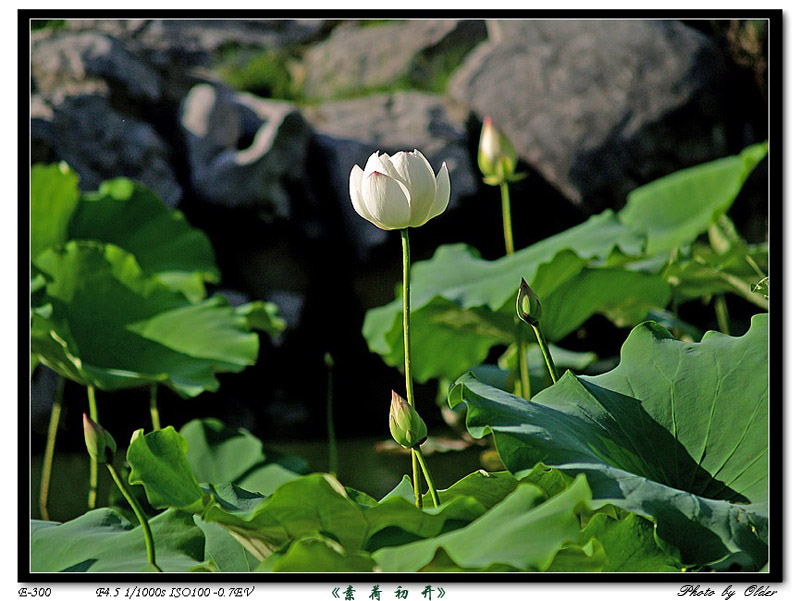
pixel 251 128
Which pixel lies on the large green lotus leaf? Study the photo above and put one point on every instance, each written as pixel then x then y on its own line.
pixel 317 554
pixel 523 532
pixel 488 488
pixel 54 195
pixel 630 544
pixel 224 551
pixel 312 505
pixel 219 453
pixel 103 541
pixel 505 375
pixel 127 214
pixel 675 209
pixel 465 304
pixel 677 432
pixel 158 462
pixel 113 326
pixel 318 504
pixel 612 540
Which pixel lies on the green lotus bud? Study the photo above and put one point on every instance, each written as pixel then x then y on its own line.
pixel 99 443
pixel 405 424
pixel 529 308
pixel 497 158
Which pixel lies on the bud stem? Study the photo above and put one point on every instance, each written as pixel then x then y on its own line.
pixel 407 347
pixel 92 503
pixel 417 452
pixel 506 206
pixel 548 359
pixel 508 235
pixel 137 509
pixel 154 417
pixel 49 451
pixel 522 356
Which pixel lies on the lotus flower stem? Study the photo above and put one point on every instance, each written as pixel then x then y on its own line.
pixel 407 347
pixel 92 461
pixel 50 448
pixel 417 452
pixel 721 309
pixel 548 358
pixel 137 509
pixel 154 407
pixel 333 455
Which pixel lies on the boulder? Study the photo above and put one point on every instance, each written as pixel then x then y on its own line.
pixel 348 131
pixel 89 94
pixel 101 143
pixel 192 42
pixel 242 149
pixel 357 59
pixel 65 63
pixel 599 107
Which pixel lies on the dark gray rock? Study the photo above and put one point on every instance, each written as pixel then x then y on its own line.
pixel 355 59
pixel 599 107
pixel 192 42
pixel 90 92
pixel 184 51
pixel 348 131
pixel 101 143
pixel 243 149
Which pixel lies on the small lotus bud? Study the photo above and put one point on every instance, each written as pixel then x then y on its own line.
pixel 99 443
pixel 497 158
pixel 529 308
pixel 405 424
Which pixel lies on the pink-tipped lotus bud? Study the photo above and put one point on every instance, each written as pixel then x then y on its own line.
pixel 497 158
pixel 529 308
pixel 99 443
pixel 405 424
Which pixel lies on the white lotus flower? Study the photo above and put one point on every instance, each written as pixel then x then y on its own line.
pixel 399 191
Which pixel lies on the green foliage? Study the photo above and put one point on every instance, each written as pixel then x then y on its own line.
pixel 265 73
pixel 219 453
pixel 118 291
pixel 128 215
pixel 37 24
pixel 158 461
pixel 113 327
pixel 465 304
pixel 512 534
pixel 657 465
pixel 618 266
pixel 312 523
pixel 54 196
pixel 677 432
pixel 675 209
pixel 104 541
pixel 222 551
pixel 317 554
